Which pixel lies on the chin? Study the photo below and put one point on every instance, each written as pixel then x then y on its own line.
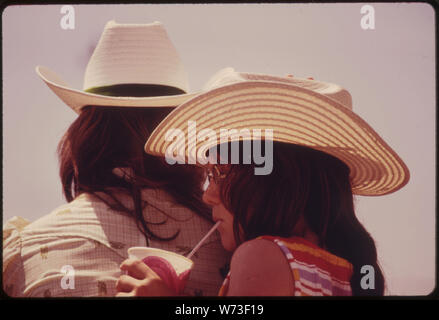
pixel 228 245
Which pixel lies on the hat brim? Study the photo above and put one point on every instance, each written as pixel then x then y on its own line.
pixel 297 116
pixel 77 99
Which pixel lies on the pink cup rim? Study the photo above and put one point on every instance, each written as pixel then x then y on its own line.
pixel 165 252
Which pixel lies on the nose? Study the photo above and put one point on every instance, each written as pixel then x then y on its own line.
pixel 211 195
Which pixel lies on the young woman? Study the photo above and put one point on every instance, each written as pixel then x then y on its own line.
pixel 118 196
pixel 304 207
pixel 292 231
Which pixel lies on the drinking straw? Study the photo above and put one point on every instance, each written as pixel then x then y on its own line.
pixel 195 249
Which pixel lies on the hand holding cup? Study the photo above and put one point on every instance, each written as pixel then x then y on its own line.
pixel 141 280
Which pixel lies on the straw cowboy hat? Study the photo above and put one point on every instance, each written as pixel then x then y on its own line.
pixel 133 65
pixel 305 112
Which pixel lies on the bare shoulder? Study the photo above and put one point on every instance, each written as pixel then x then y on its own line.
pixel 259 267
pixel 253 249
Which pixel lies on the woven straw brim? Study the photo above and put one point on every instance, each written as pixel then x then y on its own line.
pixel 77 99
pixel 297 116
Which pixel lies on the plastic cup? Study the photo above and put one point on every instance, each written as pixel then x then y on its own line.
pixel 173 268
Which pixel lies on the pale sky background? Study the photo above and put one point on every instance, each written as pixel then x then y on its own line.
pixel 390 72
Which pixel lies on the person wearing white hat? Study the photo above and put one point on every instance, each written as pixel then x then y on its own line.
pixel 292 229
pixel 118 196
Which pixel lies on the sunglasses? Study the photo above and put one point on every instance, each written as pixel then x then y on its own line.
pixel 215 174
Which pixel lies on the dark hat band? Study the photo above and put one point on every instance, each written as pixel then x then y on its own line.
pixel 136 90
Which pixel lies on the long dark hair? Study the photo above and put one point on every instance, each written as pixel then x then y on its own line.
pixel 304 183
pixel 104 138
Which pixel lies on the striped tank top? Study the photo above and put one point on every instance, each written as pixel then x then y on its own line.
pixel 316 272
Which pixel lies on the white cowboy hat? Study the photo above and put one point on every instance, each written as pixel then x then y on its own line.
pixel 140 57
pixel 305 112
